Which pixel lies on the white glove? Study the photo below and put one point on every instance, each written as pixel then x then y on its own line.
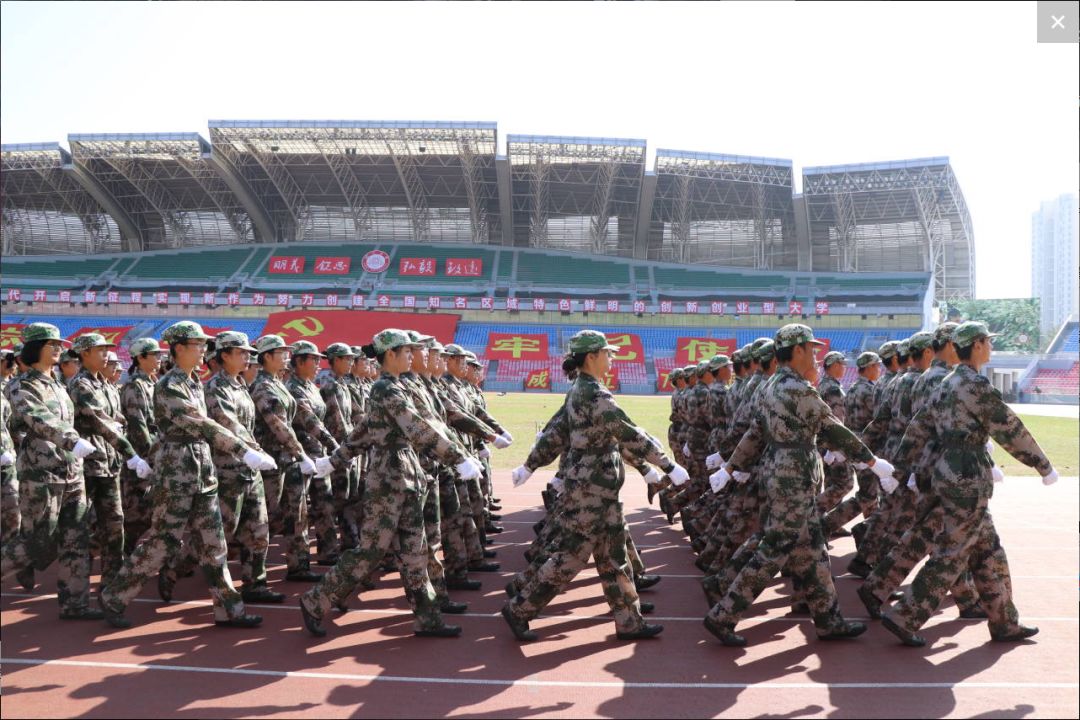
pixel 323 467
pixel 882 468
pixel 502 441
pixel 7 458
pixel 557 483
pixel 520 474
pixel 307 466
pixel 652 477
pixel 1051 477
pixel 469 469
pixel 509 438
pixel 82 448
pixel 714 461
pixel 254 459
pixel 719 479
pixel 912 485
pixel 539 434
pixel 484 454
pixel 830 457
pixel 740 476
pixel 838 457
pixel 990 446
pixel 142 468
pixel 999 477
pixel 678 475
pixel 888 483
pixel 268 462
pixel 686 450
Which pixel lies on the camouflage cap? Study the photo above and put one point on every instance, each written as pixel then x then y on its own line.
pixel 751 350
pixel 90 340
pixel 920 341
pixel 436 347
pixel 144 345
pixel 306 347
pixel 867 359
pixel 718 361
pixel 418 338
pixel 888 350
pixel 690 370
pixel 390 339
pixel 69 355
pixel 944 332
pixel 587 341
pixel 112 358
pixel 41 331
pixel 763 352
pixel 903 347
pixel 675 374
pixel 183 330
pixel 357 350
pixel 9 351
pixel 232 339
pixel 472 359
pixel 269 343
pixel 794 334
pixel 702 368
pixel 338 350
pixel 968 332
pixel 833 357
pixel 454 350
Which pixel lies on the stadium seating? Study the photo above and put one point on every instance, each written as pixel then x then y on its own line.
pixel 61 269
pixel 1055 382
pixel 719 282
pixel 555 271
pixel 1070 343
pixel 211 265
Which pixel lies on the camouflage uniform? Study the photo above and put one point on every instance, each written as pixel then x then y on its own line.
pixel 592 522
pixel 275 409
pixel 53 497
pixel 99 420
pixel 472 520
pixel 338 396
pixel 185 491
pixel 393 434
pixel 839 478
pixel 316 494
pixel 10 519
pixel 791 415
pixel 964 411
pixel 137 404
pixel 858 412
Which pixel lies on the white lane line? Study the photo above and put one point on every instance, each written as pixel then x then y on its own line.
pixel 749 621
pixel 539 683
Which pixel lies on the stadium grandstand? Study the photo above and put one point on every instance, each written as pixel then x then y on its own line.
pixel 532 239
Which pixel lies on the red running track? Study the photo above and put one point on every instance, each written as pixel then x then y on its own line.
pixel 175 663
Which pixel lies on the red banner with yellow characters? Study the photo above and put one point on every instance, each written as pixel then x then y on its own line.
pixel 11 334
pixel 630 347
pixel 516 346
pixel 355 327
pixel 663 381
pixel 691 351
pixel 820 351
pixel 538 379
pixel 611 380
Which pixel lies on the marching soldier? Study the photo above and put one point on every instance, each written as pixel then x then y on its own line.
pixel 137 405
pixel 10 518
pixel 838 475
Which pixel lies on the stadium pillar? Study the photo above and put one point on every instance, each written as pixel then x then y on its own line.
pixel 506 215
pixel 131 236
pixel 802 235
pixel 260 219
pixel 644 219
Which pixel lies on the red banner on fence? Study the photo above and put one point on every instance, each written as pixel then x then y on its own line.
pixel 416 266
pixel 464 267
pixel 355 327
pixel 10 334
pixel 538 379
pixel 630 347
pixel 286 265
pixel 513 346
pixel 663 381
pixel 694 350
pixel 820 351
pixel 111 334
pixel 332 265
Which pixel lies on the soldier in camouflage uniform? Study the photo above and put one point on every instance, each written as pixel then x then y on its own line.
pixel 335 391
pixel 963 412
pixel 720 414
pixel 839 477
pixel 479 409
pixel 592 522
pixel 10 519
pixel 185 488
pixel 99 420
pixel 392 434
pixel 69 366
pixel 275 409
pixel 919 534
pixel 137 405
pixel 858 411
pixel 791 416
pixel 317 502
pixel 359 383
pixel 49 465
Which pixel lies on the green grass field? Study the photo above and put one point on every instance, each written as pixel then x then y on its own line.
pixel 524 413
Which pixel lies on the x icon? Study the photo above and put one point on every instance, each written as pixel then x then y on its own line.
pixel 1059 22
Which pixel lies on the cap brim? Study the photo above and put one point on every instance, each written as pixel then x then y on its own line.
pixel 815 342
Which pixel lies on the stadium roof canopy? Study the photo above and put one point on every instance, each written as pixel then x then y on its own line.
pixel 362 179
pixel 732 210
pixel 907 215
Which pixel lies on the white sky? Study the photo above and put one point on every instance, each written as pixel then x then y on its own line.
pixel 819 83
